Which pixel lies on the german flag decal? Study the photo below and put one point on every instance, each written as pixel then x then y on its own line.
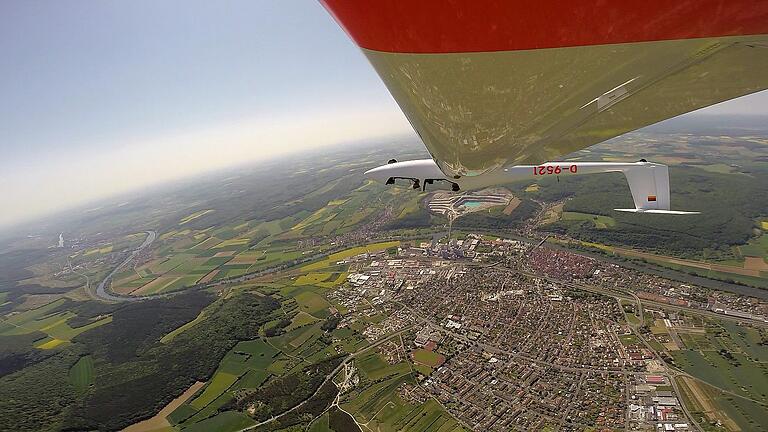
pixel 651 198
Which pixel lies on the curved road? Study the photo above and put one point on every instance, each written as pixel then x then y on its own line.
pixel 101 290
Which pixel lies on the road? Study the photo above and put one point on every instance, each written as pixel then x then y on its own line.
pixel 101 290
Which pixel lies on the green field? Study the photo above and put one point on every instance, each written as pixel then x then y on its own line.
pixel 206 244
pixel 342 214
pixel 321 424
pixel 170 263
pixel 234 363
pixel 628 340
pixel 243 367
pixel 180 414
pixel 219 384
pixel 757 247
pixel 305 335
pixel 251 379
pixel 228 421
pixel 749 378
pixel 374 367
pixel 25 319
pixel 261 353
pixel 232 242
pixel 746 339
pixel 183 282
pixel 335 280
pixel 382 409
pixel 81 375
pixel 743 414
pixel 423 369
pixel 633 319
pixel 53 324
pixel 429 358
pixel 300 320
pixel 339 256
pixel 313 304
pixel 599 221
pixel 312 278
pixel 730 357
pixel 63 331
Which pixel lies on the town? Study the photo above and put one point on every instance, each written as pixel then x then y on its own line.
pixel 528 336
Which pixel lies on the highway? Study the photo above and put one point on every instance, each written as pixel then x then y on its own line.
pixel 101 290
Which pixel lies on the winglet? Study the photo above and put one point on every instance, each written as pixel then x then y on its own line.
pixel 649 184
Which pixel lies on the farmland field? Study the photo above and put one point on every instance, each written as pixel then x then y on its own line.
pixel 382 409
pixel 312 278
pixel 305 334
pixel 61 330
pixel 335 280
pixel 599 221
pixel 249 257
pixel 232 242
pixel 53 324
pixel 207 243
pixel 81 375
pixel 219 383
pixel 728 357
pixel 261 353
pixel 24 319
pixel 228 421
pixel 374 367
pixel 194 216
pixel 251 379
pixel 757 247
pixel 332 259
pixel 313 304
pixel 732 412
pixel 301 319
pixel 156 285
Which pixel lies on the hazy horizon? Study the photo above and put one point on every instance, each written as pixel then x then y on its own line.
pixel 106 98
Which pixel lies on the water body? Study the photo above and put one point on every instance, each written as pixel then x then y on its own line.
pixel 472 204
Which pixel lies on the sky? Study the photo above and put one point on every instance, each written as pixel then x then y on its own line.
pixel 99 98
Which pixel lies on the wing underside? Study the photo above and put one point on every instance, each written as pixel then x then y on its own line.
pixel 478 109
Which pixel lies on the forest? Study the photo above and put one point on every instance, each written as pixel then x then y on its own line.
pixel 143 374
pixel 729 206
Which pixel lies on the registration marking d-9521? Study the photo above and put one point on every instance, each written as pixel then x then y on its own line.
pixel 554 169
